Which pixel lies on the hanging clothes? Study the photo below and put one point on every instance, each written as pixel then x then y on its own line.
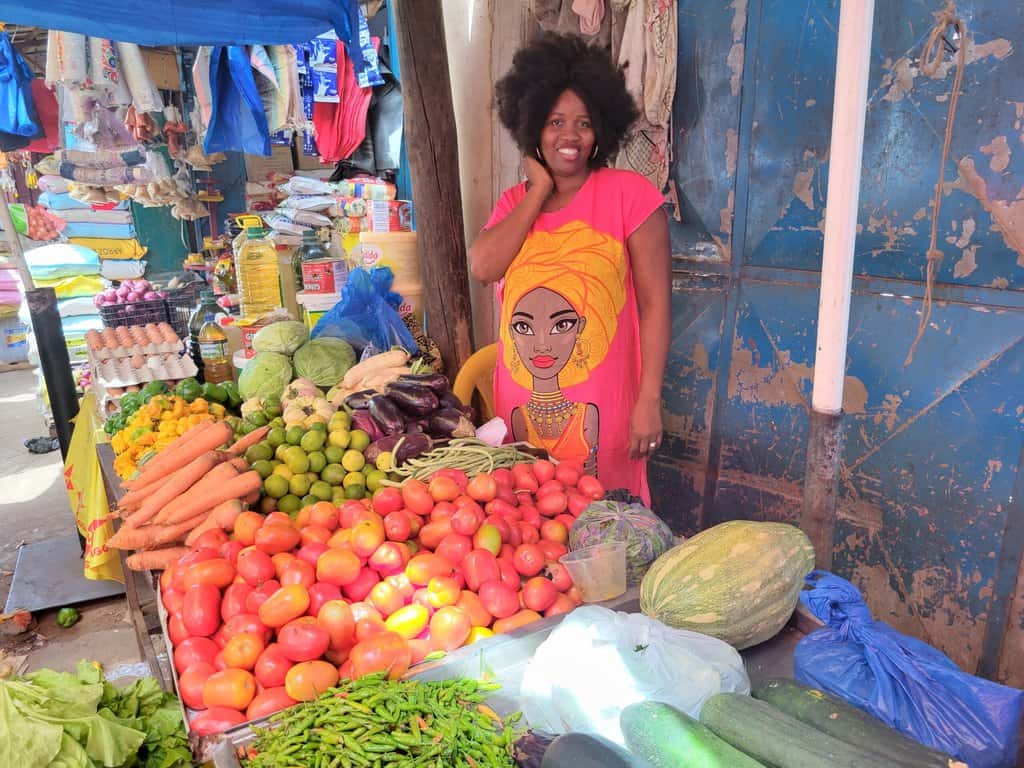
pixel 17 109
pixel 145 96
pixel 105 71
pixel 49 118
pixel 561 16
pixel 341 127
pixel 201 83
pixel 275 102
pixel 286 68
pixel 591 13
pixel 237 120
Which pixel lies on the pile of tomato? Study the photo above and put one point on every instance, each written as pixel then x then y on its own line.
pixel 282 609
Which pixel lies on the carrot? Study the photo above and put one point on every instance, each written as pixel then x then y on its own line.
pixel 168 534
pixel 249 440
pixel 155 559
pixel 252 498
pixel 195 504
pixel 182 451
pixel 176 485
pixel 215 477
pixel 222 516
pixel 240 464
pixel 133 499
pixel 141 479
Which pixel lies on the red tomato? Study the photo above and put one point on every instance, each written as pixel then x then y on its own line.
pixel 387 652
pixel 323 514
pixel 176 630
pixel 401 582
pixel 408 621
pixel 220 637
pixel 347 513
pixel 465 521
pixel 367 628
pixel 229 551
pixel 389 558
pixel 523 478
pixel 577 502
pixel 567 474
pixel 515 538
pixel 274 538
pixel 303 640
pixel 387 500
pixel 360 588
pixel 269 701
pixel 552 530
pixel 235 598
pixel 482 488
pixel 420 648
pixel 213 538
pixel 339 567
pixel 422 597
pixel 246 622
pixel 363 610
pixel 532 517
pixel 502 477
pixel 271 667
pixel 500 600
pixel 288 603
pixel 528 559
pixel 336 618
pixel 417 497
pixel 553 504
pixel 278 518
pixel 515 621
pixel 307 680
pixel 200 609
pixel 432 533
pixel 573 593
pixel 561 605
pixel 500 508
pixel 527 533
pixel 260 594
pixel 539 594
pixel 216 720
pixel 552 549
pixel 319 594
pixel 255 566
pixel 480 566
pixel 311 552
pixel 567 520
pixel 216 571
pixel 425 566
pixel 449 628
pixel 341 539
pixel 192 650
pixel 456 475
pixel 590 487
pixel 443 591
pixel 509 575
pixel 473 607
pixel 173 599
pixel 415 523
pixel 502 522
pixel 386 598
pixel 314 534
pixel 367 536
pixel 191 681
pixel 397 526
pixel 543 470
pixel 551 486
pixel 281 561
pixel 243 650
pixel 246 525
pixel 488 537
pixel 298 571
pixel 507 552
pixel 559 576
pixel 454 548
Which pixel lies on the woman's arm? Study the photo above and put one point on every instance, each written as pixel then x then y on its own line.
pixel 495 248
pixel 652 277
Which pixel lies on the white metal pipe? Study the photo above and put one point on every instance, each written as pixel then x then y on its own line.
pixel 853 63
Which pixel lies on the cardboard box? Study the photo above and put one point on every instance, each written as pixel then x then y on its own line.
pixel 258 168
pixel 304 162
pixel 163 68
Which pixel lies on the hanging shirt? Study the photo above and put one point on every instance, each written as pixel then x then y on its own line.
pixel 568 367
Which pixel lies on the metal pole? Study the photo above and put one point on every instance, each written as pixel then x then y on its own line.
pixel 54 361
pixel 853 65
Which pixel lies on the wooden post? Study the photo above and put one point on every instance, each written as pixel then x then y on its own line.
pixel 432 149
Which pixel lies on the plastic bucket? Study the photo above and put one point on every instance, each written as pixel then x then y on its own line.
pixel 391 249
pixel 599 572
pixel 412 300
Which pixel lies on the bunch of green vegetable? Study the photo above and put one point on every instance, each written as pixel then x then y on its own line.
pixel 130 402
pixel 374 721
pixel 469 454
pixel 81 721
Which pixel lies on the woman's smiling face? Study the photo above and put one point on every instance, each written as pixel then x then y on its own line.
pixel 567 140
pixel 544 328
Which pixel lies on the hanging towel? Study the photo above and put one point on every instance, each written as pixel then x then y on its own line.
pixel 341 128
pixel 145 96
pixel 17 110
pixel 201 81
pixel 66 61
pixel 275 101
pixel 237 120
pixel 105 71
pixel 286 68
pixel 49 118
pixel 591 13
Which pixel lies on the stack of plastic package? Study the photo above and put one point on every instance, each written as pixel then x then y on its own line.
pixel 13 332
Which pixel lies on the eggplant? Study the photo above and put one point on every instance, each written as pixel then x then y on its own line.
pixel 414 427
pixel 361 419
pixel 414 399
pixel 383 445
pixel 359 399
pixel 412 446
pixel 451 400
pixel 449 422
pixel 436 381
pixel 386 414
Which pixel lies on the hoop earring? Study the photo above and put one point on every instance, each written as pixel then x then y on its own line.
pixel 514 363
pixel 539 155
pixel 582 353
pixel 593 155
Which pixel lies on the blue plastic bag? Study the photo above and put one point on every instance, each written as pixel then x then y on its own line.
pixel 904 682
pixel 17 107
pixel 237 121
pixel 367 313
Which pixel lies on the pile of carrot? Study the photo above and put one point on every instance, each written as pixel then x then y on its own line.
pixel 191 486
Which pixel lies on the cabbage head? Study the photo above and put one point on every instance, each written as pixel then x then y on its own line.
pixel 284 337
pixel 324 360
pixel 265 375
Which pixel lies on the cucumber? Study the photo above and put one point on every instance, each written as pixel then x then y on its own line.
pixel 778 740
pixel 668 738
pixel 831 715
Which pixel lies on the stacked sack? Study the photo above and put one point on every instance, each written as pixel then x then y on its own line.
pixel 13 332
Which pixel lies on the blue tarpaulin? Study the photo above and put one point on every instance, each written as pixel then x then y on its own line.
pixel 195 22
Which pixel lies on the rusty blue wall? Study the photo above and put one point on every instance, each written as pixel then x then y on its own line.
pixel 931 522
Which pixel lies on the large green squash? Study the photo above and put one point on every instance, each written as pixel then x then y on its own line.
pixel 738 581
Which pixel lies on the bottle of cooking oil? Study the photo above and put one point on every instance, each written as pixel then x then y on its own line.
pixel 259 286
pixel 213 346
pixel 206 309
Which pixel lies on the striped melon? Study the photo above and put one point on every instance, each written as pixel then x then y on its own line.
pixel 738 581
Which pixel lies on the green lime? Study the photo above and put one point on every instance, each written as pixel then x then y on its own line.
pixel 355 492
pixel 297 460
pixel 272 405
pixel 353 460
pixel 259 452
pixel 289 504
pixel 263 468
pixel 294 434
pixel 340 420
pixel 281 451
pixel 299 485
pixel 338 496
pixel 360 440
pixel 375 479
pixel 339 438
pixel 281 470
pixel 333 474
pixel 354 478
pixel 313 476
pixel 334 454
pixel 385 461
pixel 276 436
pixel 259 419
pixel 317 461
pixel 319 426
pixel 268 504
pixel 309 500
pixel 277 421
pixel 321 490
pixel 275 486
pixel 313 441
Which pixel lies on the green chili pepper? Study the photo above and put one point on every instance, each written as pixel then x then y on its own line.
pixel 67 617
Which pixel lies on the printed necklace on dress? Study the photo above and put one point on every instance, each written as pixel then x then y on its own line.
pixel 550 412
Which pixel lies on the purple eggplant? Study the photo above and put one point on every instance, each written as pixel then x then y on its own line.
pixel 414 399
pixel 384 411
pixel 435 381
pixel 451 400
pixel 359 399
pixel 361 419
pixel 449 422
pixel 383 445
pixel 412 446
pixel 414 427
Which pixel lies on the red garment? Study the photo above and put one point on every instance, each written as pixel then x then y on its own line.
pixel 340 128
pixel 49 118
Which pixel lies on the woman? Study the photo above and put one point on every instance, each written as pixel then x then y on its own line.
pixel 580 253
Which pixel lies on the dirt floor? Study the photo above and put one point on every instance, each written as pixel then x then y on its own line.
pixel 34 507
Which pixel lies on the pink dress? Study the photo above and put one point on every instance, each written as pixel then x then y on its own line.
pixel 568 350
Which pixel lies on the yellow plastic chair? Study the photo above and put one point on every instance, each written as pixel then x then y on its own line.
pixel 477 375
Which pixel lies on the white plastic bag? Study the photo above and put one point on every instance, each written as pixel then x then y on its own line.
pixel 597 662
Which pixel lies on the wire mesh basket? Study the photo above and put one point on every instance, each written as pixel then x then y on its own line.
pixel 181 302
pixel 134 313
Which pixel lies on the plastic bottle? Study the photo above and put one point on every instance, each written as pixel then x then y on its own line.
pixel 312 248
pixel 256 267
pixel 213 347
pixel 206 309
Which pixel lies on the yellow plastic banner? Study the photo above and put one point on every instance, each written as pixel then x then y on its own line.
pixel 83 479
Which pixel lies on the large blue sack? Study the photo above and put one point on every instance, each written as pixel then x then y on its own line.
pixel 904 682
pixel 367 313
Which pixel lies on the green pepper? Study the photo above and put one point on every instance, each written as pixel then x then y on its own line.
pixel 115 423
pixel 130 402
pixel 153 389
pixel 188 389
pixel 234 398
pixel 139 432
pixel 215 393
pixel 67 617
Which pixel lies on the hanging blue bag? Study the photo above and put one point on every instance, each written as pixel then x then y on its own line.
pixel 367 314
pixel 237 120
pixel 905 683
pixel 17 109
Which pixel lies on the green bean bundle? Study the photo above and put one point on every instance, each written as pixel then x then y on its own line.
pixel 470 455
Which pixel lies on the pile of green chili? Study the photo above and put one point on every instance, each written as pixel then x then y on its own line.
pixel 374 722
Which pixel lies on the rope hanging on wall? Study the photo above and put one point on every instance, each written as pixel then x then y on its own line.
pixel 931 60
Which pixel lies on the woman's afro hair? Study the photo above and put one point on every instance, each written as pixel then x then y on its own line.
pixel 546 68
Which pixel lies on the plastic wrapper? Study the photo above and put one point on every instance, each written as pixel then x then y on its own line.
pixel 367 314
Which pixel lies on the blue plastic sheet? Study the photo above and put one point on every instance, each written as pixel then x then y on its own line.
pixel 367 313
pixel 904 682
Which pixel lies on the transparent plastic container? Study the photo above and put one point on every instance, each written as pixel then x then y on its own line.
pixel 599 572
pixel 256 266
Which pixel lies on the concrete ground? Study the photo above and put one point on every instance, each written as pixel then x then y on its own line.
pixel 34 507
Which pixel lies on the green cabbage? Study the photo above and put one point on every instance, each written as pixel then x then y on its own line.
pixel 324 360
pixel 284 337
pixel 645 534
pixel 265 375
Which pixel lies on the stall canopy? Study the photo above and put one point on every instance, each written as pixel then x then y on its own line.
pixel 194 22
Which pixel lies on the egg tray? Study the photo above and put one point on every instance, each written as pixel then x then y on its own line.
pixel 120 371
pixel 167 348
